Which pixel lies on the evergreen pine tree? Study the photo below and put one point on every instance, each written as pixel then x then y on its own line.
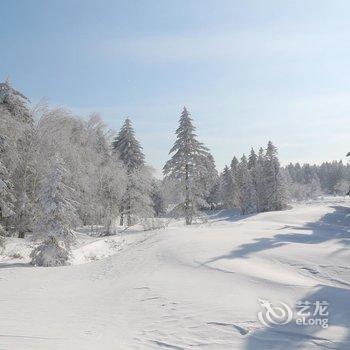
pixel 259 180
pixel 58 214
pixel 210 181
pixel 234 166
pixel 247 199
pixel 228 188
pixel 188 166
pixel 128 148
pixel 136 200
pixel 252 159
pixel 57 204
pixel 275 195
pixel 235 175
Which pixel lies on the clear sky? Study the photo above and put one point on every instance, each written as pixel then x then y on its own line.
pixel 248 71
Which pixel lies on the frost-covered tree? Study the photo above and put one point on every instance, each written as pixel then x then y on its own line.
pixel 275 195
pixel 228 188
pixel 23 184
pixel 57 204
pixel 6 202
pixel 309 181
pixel 158 198
pixel 15 102
pixel 136 201
pixel 257 173
pixel 188 166
pixel 303 182
pixel 342 187
pixel 210 181
pixel 52 252
pixel 128 148
pixel 234 165
pixel 7 198
pixel 95 173
pixel 58 214
pixel 99 178
pixel 248 200
pixel 252 159
pixel 138 195
pixel 17 128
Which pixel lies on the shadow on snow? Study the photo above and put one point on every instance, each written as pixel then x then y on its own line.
pixel 332 226
pixel 335 225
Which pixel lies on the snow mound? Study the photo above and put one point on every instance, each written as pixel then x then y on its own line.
pixel 97 249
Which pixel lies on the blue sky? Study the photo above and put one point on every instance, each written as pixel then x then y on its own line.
pixel 249 71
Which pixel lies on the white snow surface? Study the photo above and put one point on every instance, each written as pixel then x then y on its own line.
pixel 185 287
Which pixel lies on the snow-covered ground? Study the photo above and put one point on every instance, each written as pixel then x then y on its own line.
pixel 186 287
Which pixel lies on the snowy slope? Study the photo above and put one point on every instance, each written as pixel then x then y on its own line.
pixel 188 287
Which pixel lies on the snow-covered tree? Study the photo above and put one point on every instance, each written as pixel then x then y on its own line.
pixel 275 195
pixel 52 252
pixel 252 159
pixel 15 102
pixel 17 128
pixel 128 148
pixel 136 201
pixel 210 181
pixel 342 187
pixel 56 201
pixel 188 166
pixel 7 198
pixel 138 195
pixel 310 181
pixel 258 179
pixel 234 166
pixel 248 200
pixel 96 174
pixel 111 182
pixel 158 197
pixel 228 188
pixel 58 214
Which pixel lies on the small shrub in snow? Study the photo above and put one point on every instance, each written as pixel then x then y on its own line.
pixel 152 224
pixel 50 253
pixel 201 218
pixel 16 255
pixel 92 257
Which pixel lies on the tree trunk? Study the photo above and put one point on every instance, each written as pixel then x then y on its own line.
pixel 188 216
pixel 128 221
pixel 128 214
pixel 121 222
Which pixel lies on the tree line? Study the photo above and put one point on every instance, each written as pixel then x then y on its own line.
pixel 58 171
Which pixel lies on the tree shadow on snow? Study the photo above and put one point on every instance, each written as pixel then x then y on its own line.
pixel 332 226
pixel 335 225
pixel 293 336
pixel 7 265
pixel 231 215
